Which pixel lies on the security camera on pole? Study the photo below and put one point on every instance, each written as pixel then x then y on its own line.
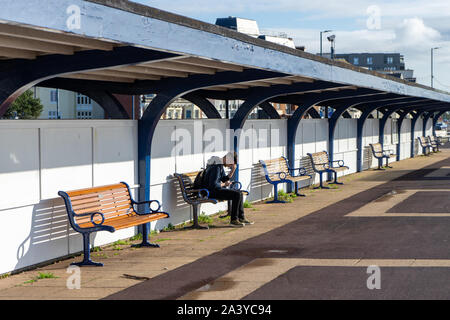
pixel 332 39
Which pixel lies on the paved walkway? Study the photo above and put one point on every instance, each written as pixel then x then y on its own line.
pixel 382 229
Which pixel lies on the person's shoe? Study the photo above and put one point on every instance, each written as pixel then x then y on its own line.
pixel 245 221
pixel 236 223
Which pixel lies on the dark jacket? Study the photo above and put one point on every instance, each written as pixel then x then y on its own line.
pixel 214 176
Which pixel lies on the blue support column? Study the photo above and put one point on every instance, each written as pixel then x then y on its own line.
pixel 436 119
pixel 332 123
pixel 413 125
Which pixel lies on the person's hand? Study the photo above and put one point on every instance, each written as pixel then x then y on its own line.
pixel 227 183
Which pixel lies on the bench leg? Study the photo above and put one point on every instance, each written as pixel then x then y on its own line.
pixel 195 224
pixel 275 197
pixel 296 191
pixel 335 179
pixel 145 242
pixel 387 163
pixel 380 164
pixel 321 186
pixel 87 254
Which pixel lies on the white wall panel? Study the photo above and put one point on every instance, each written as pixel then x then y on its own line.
pixel 43 157
pixel 19 167
pixel 66 160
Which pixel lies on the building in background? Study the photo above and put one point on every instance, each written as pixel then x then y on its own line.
pixel 64 104
pixel 250 27
pixel 388 63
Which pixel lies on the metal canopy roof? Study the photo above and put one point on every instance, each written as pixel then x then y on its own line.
pixel 31 31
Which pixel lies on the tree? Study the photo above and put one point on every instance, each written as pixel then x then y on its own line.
pixel 25 106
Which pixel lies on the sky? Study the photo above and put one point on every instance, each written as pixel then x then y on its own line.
pixel 408 27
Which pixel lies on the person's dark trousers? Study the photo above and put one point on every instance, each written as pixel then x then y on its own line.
pixel 237 201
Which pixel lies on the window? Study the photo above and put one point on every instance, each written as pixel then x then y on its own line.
pixel 83 100
pixel 369 60
pixel 356 60
pixel 390 60
pixel 54 115
pixel 84 115
pixel 54 96
pixel 188 114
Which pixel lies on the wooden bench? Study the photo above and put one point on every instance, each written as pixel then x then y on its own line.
pixel 321 164
pixel 379 153
pixel 278 171
pixel 107 208
pixel 196 197
pixel 425 144
pixel 435 143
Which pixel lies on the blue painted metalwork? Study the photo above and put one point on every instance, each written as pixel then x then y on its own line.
pixel 413 125
pixel 258 96
pixel 389 110
pixel 204 104
pixel 380 153
pixel 112 107
pixel 270 110
pixel 362 119
pixel 169 91
pixel 306 103
pixel 326 166
pixel 436 119
pixel 284 177
pixel 16 76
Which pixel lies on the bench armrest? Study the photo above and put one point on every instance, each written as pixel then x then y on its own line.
pixel 301 171
pixel 340 162
pixel 92 214
pixel 236 185
pixel 202 193
pixel 149 202
pixel 282 175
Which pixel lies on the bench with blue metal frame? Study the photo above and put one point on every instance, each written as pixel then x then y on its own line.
pixel 107 208
pixel 435 143
pixel 278 171
pixel 379 153
pixel 321 164
pixel 425 144
pixel 196 197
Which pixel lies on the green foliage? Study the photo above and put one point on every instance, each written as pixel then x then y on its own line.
pixel 170 227
pixel 247 204
pixel 42 275
pixel 203 218
pixel 288 197
pixel 25 106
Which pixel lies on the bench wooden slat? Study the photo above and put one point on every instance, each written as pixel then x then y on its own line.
pixel 124 222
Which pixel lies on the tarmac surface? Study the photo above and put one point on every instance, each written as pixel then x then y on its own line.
pixel 381 235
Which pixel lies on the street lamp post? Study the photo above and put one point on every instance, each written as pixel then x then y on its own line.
pixel 321 33
pixel 432 67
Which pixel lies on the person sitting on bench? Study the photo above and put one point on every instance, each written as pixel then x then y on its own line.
pixel 216 181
